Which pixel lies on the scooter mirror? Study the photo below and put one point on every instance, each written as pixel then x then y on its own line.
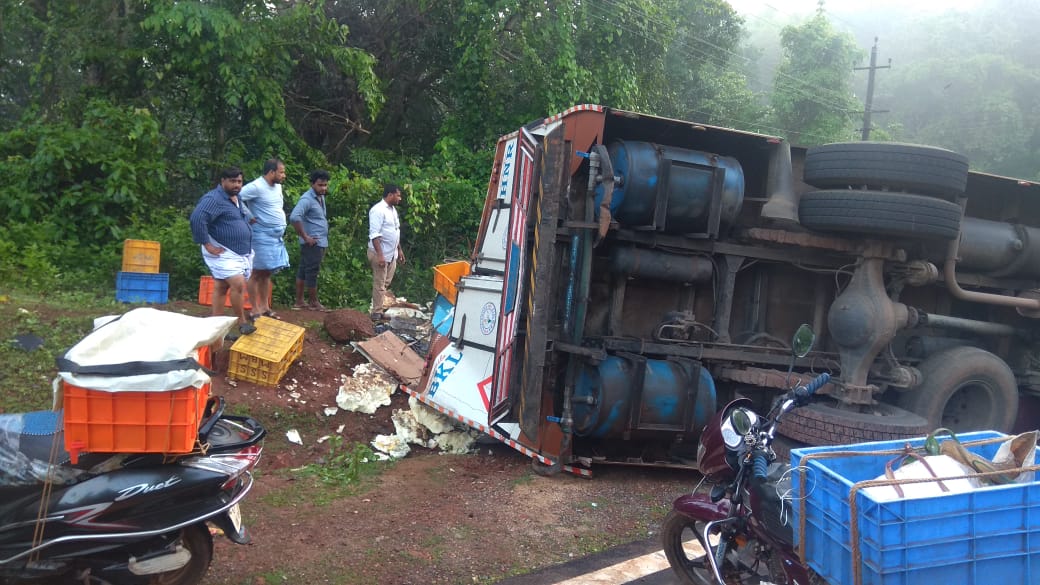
pixel 803 340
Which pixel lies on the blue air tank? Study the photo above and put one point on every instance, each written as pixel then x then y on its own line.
pixel 689 178
pixel 628 395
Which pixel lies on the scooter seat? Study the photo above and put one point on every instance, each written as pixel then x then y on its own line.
pixel 32 451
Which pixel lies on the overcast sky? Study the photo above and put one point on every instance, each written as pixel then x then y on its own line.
pixel 850 6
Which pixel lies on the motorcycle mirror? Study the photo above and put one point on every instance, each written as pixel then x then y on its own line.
pixel 742 421
pixel 803 340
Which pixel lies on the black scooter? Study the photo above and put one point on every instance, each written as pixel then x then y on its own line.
pixel 120 519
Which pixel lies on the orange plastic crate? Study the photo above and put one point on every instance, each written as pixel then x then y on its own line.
pixel 134 422
pixel 266 354
pixel 447 276
pixel 206 294
pixel 141 256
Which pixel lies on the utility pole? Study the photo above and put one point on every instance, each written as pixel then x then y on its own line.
pixel 870 90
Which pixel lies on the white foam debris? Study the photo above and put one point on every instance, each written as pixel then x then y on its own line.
pixel 331 410
pixel 431 419
pixel 323 438
pixel 423 426
pixel 365 391
pixel 458 442
pixel 392 445
pixel 294 436
pixel 405 312
pixel 408 429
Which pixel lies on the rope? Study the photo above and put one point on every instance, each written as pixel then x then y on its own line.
pixel 857 554
pixel 854 529
pixel 45 498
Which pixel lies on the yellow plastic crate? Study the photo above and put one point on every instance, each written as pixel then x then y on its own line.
pixel 141 256
pixel 265 355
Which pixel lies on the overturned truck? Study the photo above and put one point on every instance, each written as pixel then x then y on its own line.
pixel 633 273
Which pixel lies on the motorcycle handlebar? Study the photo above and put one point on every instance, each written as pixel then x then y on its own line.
pixel 818 382
pixel 803 393
pixel 759 465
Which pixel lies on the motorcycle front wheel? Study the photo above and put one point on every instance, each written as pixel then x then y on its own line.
pixel 681 538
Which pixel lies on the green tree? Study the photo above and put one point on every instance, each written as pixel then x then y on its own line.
pixel 812 97
pixel 971 84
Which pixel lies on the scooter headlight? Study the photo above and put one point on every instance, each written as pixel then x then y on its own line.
pixel 736 425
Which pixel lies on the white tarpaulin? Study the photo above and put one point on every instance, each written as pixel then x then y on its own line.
pixel 145 335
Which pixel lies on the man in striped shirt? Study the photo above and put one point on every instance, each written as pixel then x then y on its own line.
pixel 219 226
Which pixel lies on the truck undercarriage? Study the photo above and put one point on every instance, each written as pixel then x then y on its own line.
pixel 632 274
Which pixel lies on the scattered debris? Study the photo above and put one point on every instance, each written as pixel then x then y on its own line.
pixel 394 349
pixel 457 442
pixel 423 426
pixel 436 422
pixel 27 341
pixel 324 438
pixel 407 312
pixel 394 355
pixel 365 391
pixel 331 410
pixel 293 436
pixel 392 445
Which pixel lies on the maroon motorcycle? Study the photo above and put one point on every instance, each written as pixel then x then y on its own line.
pixel 737 533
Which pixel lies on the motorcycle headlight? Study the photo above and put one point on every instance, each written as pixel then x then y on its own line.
pixel 738 423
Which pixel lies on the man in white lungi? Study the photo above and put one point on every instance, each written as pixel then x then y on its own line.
pixel 220 227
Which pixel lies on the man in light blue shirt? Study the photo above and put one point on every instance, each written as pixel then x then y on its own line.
pixel 384 246
pixel 311 223
pixel 263 199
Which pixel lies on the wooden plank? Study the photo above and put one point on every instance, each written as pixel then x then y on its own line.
pixel 392 354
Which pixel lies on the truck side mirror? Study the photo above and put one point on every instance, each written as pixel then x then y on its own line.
pixel 803 340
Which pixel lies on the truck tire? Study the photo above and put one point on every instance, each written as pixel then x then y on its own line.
pixel 887 165
pixel 822 424
pixel 880 213
pixel 965 389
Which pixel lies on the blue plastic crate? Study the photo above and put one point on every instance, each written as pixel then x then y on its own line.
pixel 988 535
pixel 142 287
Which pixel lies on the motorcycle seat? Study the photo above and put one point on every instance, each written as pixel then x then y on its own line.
pixel 32 451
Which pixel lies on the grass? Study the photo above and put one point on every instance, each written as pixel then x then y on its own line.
pixel 271 577
pixel 344 471
pixel 27 375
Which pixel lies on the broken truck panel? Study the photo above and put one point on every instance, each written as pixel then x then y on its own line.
pixel 633 272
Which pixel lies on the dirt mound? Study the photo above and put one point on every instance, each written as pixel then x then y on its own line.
pixel 345 325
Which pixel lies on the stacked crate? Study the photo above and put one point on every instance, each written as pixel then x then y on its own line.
pixel 96 421
pixel 266 354
pixel 206 293
pixel 140 280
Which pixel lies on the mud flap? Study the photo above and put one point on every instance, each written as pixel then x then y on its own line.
pixel 231 524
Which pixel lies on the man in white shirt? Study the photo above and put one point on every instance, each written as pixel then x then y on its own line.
pixel 384 246
pixel 264 201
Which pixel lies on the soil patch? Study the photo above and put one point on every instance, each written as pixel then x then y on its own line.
pixel 429 518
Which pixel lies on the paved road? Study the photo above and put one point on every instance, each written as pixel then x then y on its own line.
pixel 640 563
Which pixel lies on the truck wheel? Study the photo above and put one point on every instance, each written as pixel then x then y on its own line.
pixel 879 213
pixel 822 424
pixel 965 389
pixel 887 165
